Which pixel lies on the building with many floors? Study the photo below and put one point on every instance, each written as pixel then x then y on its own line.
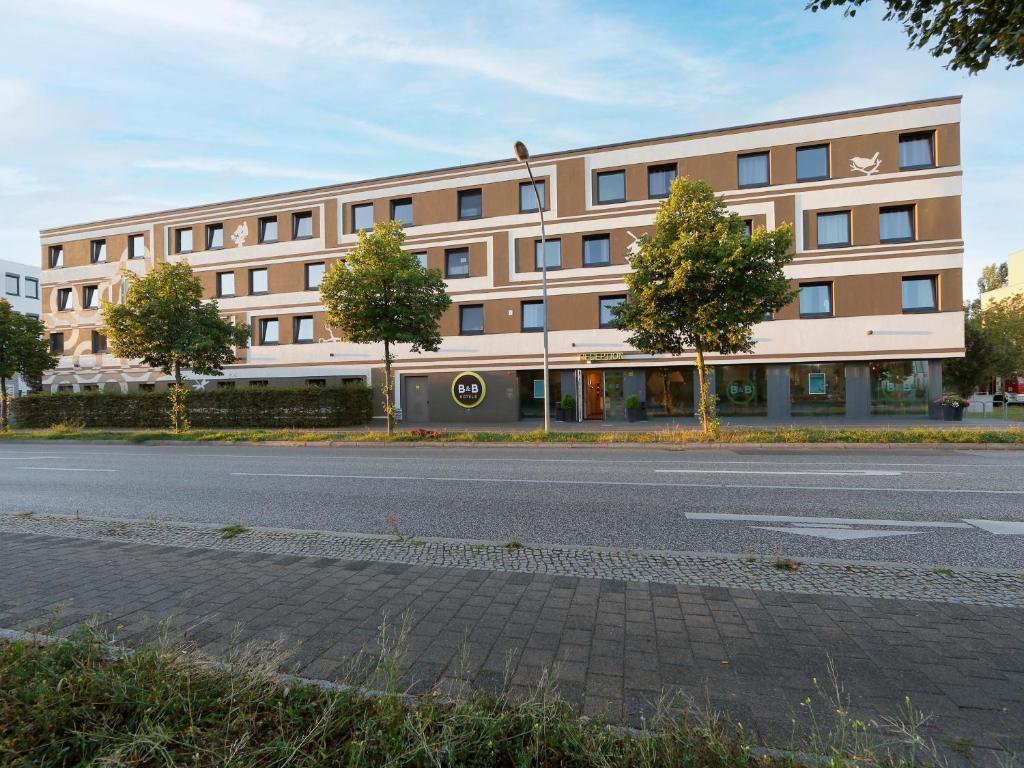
pixel 21 290
pixel 873 196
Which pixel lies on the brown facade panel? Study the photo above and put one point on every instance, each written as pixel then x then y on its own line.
pixel 935 218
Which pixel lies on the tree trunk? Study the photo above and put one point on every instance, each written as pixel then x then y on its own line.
pixel 389 411
pixel 179 412
pixel 666 395
pixel 707 403
pixel 5 405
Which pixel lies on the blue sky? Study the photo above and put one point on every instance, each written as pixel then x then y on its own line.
pixel 113 107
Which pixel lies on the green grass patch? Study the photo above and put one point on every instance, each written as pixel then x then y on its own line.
pixel 947 572
pixel 232 531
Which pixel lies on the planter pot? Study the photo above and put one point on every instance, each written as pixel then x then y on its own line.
pixel 565 414
pixel 952 413
pixel 636 414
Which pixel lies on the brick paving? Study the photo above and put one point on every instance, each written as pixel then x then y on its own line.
pixel 616 645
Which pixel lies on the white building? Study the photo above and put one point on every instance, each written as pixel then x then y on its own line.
pixel 21 290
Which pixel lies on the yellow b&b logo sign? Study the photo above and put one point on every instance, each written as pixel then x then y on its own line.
pixel 468 390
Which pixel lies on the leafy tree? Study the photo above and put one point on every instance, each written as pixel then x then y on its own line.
pixel 964 374
pixel 1003 324
pixel 381 293
pixel 22 350
pixel 700 283
pixel 993 276
pixel 164 322
pixel 970 32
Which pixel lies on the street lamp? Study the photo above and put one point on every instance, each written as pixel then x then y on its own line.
pixel 523 156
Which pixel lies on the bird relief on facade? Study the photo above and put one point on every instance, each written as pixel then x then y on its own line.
pixel 199 384
pixel 866 165
pixel 633 248
pixel 241 234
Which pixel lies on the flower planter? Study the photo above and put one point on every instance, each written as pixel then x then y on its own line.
pixel 566 414
pixel 638 413
pixel 952 413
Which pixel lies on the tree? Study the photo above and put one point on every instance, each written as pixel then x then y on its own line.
pixel 22 350
pixel 970 32
pixel 993 344
pixel 164 322
pixel 380 293
pixel 964 374
pixel 699 282
pixel 993 276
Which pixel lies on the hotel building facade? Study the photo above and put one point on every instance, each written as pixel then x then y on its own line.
pixel 873 196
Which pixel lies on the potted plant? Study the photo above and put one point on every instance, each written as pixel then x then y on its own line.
pixel 635 410
pixel 567 408
pixel 953 407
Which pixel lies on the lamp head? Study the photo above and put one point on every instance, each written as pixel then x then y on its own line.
pixel 522 153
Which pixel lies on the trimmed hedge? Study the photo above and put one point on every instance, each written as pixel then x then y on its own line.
pixel 344 406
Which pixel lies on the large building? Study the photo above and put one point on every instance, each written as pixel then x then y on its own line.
pixel 873 196
pixel 1014 281
pixel 21 291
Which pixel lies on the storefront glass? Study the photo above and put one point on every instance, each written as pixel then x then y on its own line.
pixel 531 393
pixel 742 390
pixel 899 388
pixel 614 397
pixel 677 383
pixel 818 390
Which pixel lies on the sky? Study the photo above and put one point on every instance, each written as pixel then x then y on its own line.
pixel 117 107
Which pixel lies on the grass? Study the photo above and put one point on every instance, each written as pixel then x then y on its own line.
pixel 947 572
pixel 75 703
pixel 513 544
pixel 232 531
pixel 787 564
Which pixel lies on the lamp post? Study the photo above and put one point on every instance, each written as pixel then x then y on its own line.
pixel 523 156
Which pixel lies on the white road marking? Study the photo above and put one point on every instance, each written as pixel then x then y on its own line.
pixel 834 521
pixel 29 458
pixel 838 534
pixel 999 527
pixel 856 472
pixel 70 469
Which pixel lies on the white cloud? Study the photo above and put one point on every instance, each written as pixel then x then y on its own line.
pixel 241 167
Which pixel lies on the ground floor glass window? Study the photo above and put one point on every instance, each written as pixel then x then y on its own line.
pixel 818 390
pixel 531 393
pixel 742 390
pixel 899 388
pixel 670 391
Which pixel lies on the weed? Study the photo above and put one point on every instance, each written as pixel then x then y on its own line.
pixel 24 515
pixel 787 564
pixel 749 557
pixel 393 525
pixel 232 531
pixel 513 544
pixel 948 572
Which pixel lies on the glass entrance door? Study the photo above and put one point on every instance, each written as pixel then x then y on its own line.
pixel 593 404
pixel 614 398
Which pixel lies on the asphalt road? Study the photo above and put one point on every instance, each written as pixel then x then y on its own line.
pixel 955 507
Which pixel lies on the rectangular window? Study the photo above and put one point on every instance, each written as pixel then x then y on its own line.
pixel 57 343
pixel 268 229
pixel 401 211
pixel 90 387
pixel 225 284
pixel 56 256
pixel 258 282
pixel 597 250
pixel 183 240
pixel 90 297
pixel 214 236
pixel 812 163
pixel 31 288
pixel 362 217
pixel 748 227
pixel 816 300
pixel 471 319
pixel 225 385
pixel 99 343
pixel 98 251
pixel 12 284
pixel 611 187
pixel 65 388
pixel 896 225
pixel 659 180
pixel 318 383
pixel 606 305
pixel 303 330
pixel 147 387
pixel 833 229
pixel 302 225
pixel 752 170
pixel 532 316
pixel 528 198
pixel 919 294
pixel 471 203
pixel 554 254
pixel 315 275
pixel 269 330
pixel 65 299
pixel 916 151
pixel 421 258
pixel 136 246
pixel 259 383
pixel 456 261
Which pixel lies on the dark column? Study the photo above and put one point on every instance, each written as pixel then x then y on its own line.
pixel 777 377
pixel 858 391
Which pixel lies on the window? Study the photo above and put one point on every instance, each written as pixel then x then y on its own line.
pixel 401 211
pixel 553 253
pixel 183 240
pixel 471 319
pixel 421 258
pixel 98 251
pixel 99 343
pixel 752 170
pixel 136 246
pixel 532 316
pixel 471 204
pixel 225 284
pixel 147 387
pixel 315 275
pixel 31 288
pixel 816 300
pixel 748 227
pixel 65 299
pixel 214 236
pixel 916 151
pixel 268 229
pixel 456 262
pixel 302 225
pixel 896 225
pixel 919 294
pixel 303 330
pixel 833 229
pixel 528 198
pixel 812 163
pixel 57 343
pixel 605 305
pixel 258 281
pixel 597 250
pixel 56 256
pixel 12 285
pixel 90 297
pixel 90 387
pixel 318 383
pixel 259 383
pixel 269 330
pixel 362 217
pixel 611 187
pixel 659 180
pixel 225 385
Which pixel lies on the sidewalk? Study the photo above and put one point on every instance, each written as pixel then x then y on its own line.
pixel 617 645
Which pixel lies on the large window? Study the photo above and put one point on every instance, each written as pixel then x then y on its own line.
pixel 659 180
pixel 31 288
pixel 98 251
pixel 136 246
pixel 56 260
pixel 919 294
pixel 214 236
pixel 611 187
pixel 553 251
pixel 258 281
pixel 896 225
pixel 362 217
pixel 57 343
pixel 65 299
pixel 269 330
pixel 533 316
pixel 471 319
pixel 315 275
pixel 816 300
pixel 12 284
pixel 833 229
pixel 471 203
pixel 225 284
pixel 752 170
pixel 183 240
pixel 742 390
pixel 302 225
pixel 606 310
pixel 812 163
pixel 421 257
pixel 401 211
pixel 99 343
pixel 899 387
pixel 597 250
pixel 916 151
pixel 456 262
pixel 817 389
pixel 528 199
pixel 302 330
pixel 90 297
pixel 268 229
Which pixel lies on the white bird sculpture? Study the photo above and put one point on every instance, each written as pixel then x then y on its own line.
pixel 866 165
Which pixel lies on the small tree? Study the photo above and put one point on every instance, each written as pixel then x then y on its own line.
pixel 699 282
pixel 964 374
pixel 22 350
pixel 993 276
pixel 164 322
pixel 381 293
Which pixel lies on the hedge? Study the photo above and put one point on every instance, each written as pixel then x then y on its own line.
pixel 343 406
